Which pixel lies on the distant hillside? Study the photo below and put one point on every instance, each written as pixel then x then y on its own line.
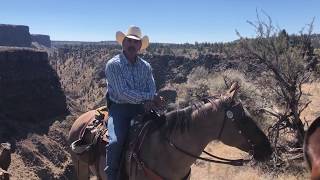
pixel 167 48
pixel 83 43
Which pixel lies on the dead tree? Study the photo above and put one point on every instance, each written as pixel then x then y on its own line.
pixel 284 61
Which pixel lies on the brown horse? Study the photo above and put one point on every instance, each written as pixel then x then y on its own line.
pixel 169 150
pixel 311 149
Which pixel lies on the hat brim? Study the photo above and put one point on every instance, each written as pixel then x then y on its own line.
pixel 133 37
pixel 144 40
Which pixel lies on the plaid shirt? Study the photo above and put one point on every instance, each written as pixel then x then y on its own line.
pixel 129 83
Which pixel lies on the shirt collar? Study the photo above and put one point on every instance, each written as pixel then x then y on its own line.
pixel 124 60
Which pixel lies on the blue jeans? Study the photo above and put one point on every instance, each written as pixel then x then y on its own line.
pixel 120 116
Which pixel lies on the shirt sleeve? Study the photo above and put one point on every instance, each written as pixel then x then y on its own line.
pixel 117 82
pixel 151 83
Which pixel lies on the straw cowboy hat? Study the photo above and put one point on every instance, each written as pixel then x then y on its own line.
pixel 134 32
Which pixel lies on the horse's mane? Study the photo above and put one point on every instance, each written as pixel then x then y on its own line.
pixel 313 127
pixel 180 119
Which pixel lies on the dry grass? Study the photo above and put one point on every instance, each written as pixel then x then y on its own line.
pixel 317 51
pixel 210 171
pixel 312 91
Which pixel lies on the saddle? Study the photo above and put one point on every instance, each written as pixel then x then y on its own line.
pixel 93 138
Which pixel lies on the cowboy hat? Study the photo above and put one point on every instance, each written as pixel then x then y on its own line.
pixel 134 32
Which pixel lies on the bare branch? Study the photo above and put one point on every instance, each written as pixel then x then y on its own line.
pixel 270 112
pixel 304 107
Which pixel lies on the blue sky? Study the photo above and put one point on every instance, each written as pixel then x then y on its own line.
pixel 163 20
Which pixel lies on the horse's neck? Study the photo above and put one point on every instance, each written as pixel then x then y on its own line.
pixel 207 121
pixel 170 162
pixel 205 125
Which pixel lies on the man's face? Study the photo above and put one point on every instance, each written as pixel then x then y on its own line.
pixel 131 46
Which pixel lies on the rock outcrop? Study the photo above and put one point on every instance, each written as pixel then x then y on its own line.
pixel 41 39
pixel 30 90
pixel 5 160
pixel 5 155
pixel 14 35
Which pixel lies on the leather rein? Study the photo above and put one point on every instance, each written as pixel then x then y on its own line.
pixel 220 160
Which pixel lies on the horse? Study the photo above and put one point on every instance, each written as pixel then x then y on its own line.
pixel 170 149
pixel 311 149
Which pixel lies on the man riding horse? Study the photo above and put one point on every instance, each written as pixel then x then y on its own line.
pixel 131 91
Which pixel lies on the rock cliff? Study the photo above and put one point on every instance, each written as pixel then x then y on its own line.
pixel 14 35
pixel 30 92
pixel 41 39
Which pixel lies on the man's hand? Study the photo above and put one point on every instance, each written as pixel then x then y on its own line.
pixel 148 105
pixel 159 101
pixel 156 103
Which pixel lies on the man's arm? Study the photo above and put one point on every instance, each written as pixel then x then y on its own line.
pixel 151 82
pixel 116 80
pixel 157 101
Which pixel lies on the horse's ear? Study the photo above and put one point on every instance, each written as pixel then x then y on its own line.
pixel 228 97
pixel 233 90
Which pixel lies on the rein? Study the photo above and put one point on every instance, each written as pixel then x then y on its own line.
pixel 233 162
pixel 220 160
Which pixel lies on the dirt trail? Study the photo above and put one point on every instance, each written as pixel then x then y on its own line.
pixel 211 171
